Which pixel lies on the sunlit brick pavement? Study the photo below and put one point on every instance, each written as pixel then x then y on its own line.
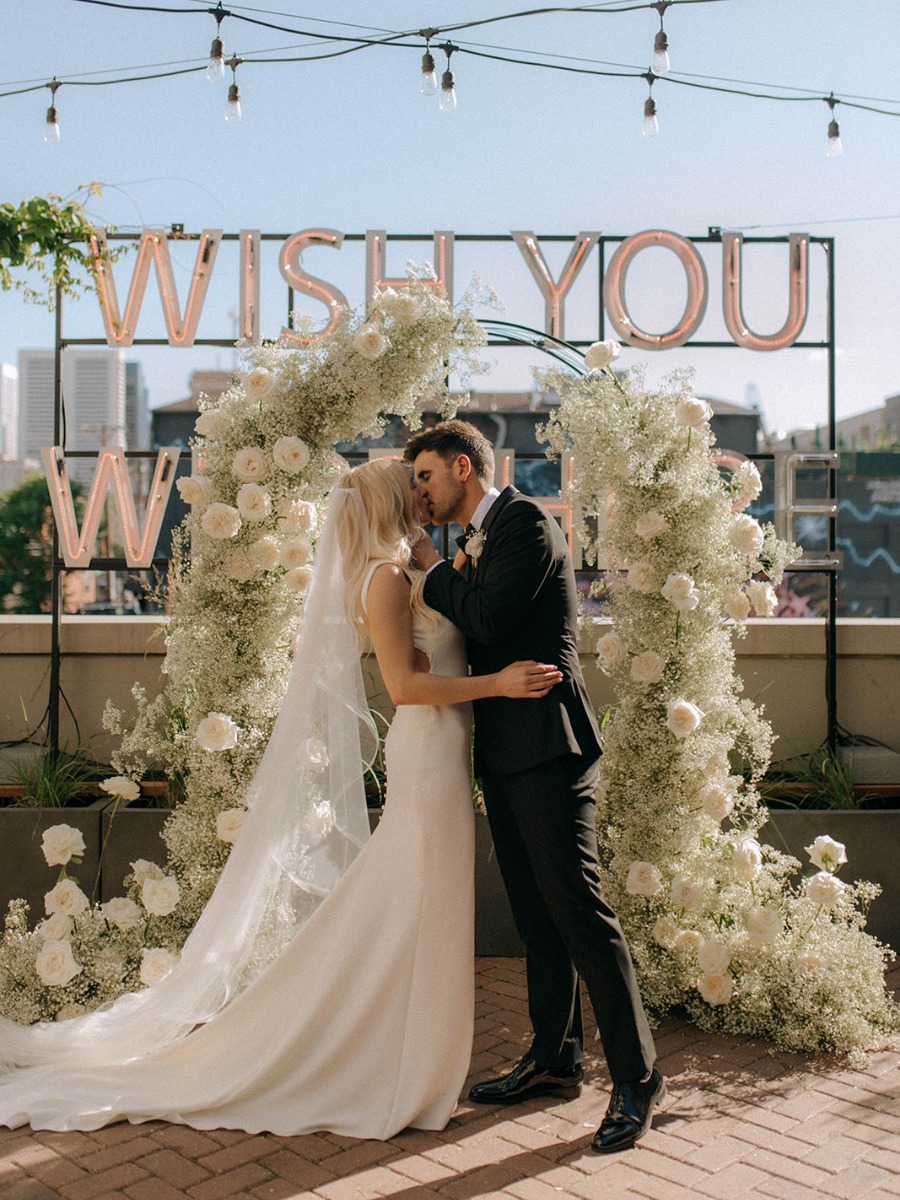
pixel 739 1122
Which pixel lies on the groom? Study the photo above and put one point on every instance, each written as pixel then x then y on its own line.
pixel 514 598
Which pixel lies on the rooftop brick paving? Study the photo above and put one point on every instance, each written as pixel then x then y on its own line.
pixel 740 1122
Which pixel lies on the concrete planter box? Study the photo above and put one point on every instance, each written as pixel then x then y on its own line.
pixel 872 839
pixel 23 872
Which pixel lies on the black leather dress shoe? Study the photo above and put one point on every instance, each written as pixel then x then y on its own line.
pixel 528 1078
pixel 629 1114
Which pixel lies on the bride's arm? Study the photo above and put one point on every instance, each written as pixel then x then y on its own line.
pixel 390 624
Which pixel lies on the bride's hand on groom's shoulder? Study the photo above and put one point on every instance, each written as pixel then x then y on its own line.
pixel 527 680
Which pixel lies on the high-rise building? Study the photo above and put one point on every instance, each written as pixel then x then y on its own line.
pixel 9 411
pixel 137 408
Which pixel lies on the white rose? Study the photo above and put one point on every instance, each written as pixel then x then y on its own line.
pixel 665 931
pixel 651 525
pixel 368 342
pixel 221 520
pixel 738 605
pixel 61 843
pixel 824 889
pixel 745 534
pixel 691 410
pixel 217 731
pixel 296 516
pixel 298 579
pixel 825 853
pixel 717 803
pixel 600 355
pixel 763 925
pixel 747 481
pixel 316 754
pixel 68 1011
pixel 212 424
pixel 647 667
pixel 263 554
pixel 290 454
pixel 258 383
pixel 254 502
pixel 195 489
pixel 713 957
pixel 249 464
pixel 642 577
pixel 160 896
pixel 240 565
pixel 122 912
pixel 121 786
pixel 688 939
pixel 55 964
pixel 144 870
pixel 679 590
pixel 716 989
pixel 67 897
pixel 228 824
pixel 611 650
pixel 763 597
pixel 156 965
pixel 809 962
pixel 682 717
pixel 294 553
pixel 57 928
pixel 686 893
pixel 404 308
pixel 747 860
pixel 644 879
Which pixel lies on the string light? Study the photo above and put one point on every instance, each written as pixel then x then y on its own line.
pixel 448 84
pixel 233 107
pixel 215 70
pixel 650 127
pixel 660 65
pixel 429 84
pixel 835 146
pixel 51 129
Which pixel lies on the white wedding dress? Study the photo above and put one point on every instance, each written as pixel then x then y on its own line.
pixel 363 1024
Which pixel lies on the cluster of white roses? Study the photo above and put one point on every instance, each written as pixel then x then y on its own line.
pixel 713 919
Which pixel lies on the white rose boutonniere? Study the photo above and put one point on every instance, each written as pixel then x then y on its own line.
pixel 600 355
pixel 475 545
pixel 61 843
pixel 369 342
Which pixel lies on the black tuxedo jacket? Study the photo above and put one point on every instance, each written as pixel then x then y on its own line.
pixel 521 603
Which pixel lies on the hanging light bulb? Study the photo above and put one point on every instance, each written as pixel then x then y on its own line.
pixel 51 129
pixel 447 101
pixel 233 107
pixel 215 69
pixel 650 127
pixel 429 84
pixel 835 147
pixel 660 64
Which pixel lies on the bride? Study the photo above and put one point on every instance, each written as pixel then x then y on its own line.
pixel 328 984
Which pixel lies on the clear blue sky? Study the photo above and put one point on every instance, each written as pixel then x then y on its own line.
pixel 350 144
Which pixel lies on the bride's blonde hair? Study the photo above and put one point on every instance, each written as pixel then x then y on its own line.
pixel 385 488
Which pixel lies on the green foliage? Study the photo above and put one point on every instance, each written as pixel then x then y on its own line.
pixel 822 779
pixel 26 545
pixel 53 779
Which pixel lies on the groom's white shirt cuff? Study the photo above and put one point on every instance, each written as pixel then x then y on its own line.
pixel 485 504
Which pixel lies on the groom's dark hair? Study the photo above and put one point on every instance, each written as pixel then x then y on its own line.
pixel 451 438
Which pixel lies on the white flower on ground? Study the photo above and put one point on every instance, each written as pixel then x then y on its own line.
pixel 290 454
pixel 747 860
pixel 763 925
pixel 717 803
pixel 665 931
pixel 808 962
pixel 160 896
pixel 258 383
pixel 241 566
pixel 299 579
pixel 683 717
pixel 368 342
pixel 688 939
pixel 217 731
pixel 212 424
pixel 122 786
pixel 686 893
pixel 195 489
pixel 57 928
pixel 221 520
pixel 263 554
pixel 642 577
pixel 61 843
pixel 294 553
pixel 68 1011
pixel 249 464
pixel 67 897
pixel 747 481
pixel 55 964
pixel 644 879
pixel 716 989
pixel 745 534
pixel 691 410
pixel 611 650
pixel 824 889
pixel 404 308
pixel 738 605
pixel 122 912
pixel 600 355
pixel 316 754
pixel 826 854
pixel 156 964
pixel 647 667
pixel 254 502
pixel 680 592
pixel 713 957
pixel 143 870
pixel 763 597
pixel 296 516
pixel 228 824
pixel 651 525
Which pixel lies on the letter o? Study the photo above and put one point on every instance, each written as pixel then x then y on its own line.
pixel 614 290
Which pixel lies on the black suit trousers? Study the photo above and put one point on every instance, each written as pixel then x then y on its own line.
pixel 543 826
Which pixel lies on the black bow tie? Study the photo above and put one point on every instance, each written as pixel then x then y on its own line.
pixel 465 535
